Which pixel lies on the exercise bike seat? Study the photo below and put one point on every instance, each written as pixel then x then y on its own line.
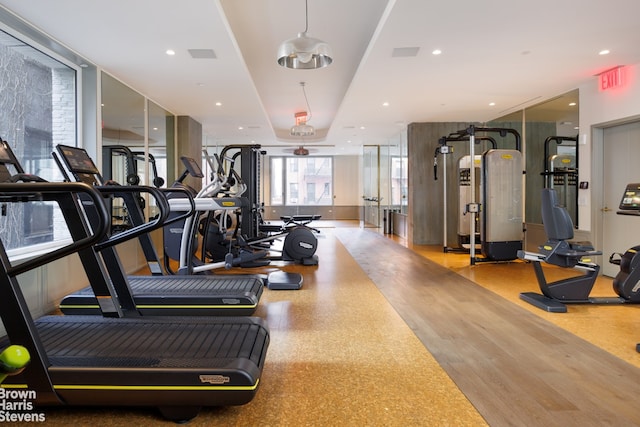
pixel 559 249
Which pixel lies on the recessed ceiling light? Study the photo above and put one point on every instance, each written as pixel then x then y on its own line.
pixel 436 52
pixel 240 128
pixel 362 128
pixel 170 52
pixel 491 104
pixel 385 104
pixel 572 104
pixel 604 52
pixel 218 104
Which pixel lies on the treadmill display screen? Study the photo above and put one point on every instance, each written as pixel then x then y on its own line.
pixel 78 160
pixel 631 198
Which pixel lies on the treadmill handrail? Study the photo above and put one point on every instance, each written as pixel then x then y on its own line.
pixel 137 230
pixel 10 192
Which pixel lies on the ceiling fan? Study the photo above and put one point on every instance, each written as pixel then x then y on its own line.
pixel 300 150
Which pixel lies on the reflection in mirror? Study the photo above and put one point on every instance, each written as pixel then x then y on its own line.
pixel 122 125
pixel 556 166
pixel 552 157
pixel 126 157
pixel 161 145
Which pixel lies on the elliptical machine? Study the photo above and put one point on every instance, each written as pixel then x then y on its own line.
pixel 299 243
pixel 181 238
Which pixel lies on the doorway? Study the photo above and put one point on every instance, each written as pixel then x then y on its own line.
pixel 620 166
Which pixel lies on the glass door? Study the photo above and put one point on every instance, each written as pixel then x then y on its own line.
pixel 371 185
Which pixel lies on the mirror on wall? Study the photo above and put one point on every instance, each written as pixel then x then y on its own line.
pixel 550 143
pixel 127 156
pixel 161 146
pixel 552 153
pixel 123 124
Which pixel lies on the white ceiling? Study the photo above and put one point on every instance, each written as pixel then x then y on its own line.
pixel 511 53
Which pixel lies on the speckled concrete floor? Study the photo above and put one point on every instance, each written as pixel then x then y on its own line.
pixel 339 355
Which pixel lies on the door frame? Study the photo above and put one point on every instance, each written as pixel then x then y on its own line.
pixel 597 177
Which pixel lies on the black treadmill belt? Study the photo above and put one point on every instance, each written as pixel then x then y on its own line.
pixel 163 341
pixel 176 295
pixel 177 361
pixel 177 285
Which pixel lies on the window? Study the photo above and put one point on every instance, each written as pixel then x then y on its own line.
pixel 38 104
pixel 307 180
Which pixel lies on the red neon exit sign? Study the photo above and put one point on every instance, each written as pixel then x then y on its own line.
pixel 611 78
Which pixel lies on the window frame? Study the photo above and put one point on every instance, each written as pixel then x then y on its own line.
pixel 20 31
pixel 288 167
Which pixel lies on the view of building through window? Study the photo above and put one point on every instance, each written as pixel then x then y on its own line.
pixel 38 104
pixel 301 181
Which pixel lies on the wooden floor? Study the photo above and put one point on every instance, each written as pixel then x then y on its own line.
pixel 384 335
pixel 515 367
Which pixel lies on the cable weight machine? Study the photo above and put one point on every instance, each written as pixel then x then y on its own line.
pixel 501 203
pixel 463 187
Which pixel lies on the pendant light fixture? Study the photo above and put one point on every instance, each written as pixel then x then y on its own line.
pixel 301 127
pixel 303 52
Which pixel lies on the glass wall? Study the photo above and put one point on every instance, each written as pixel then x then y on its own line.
pixel 371 185
pixel 399 173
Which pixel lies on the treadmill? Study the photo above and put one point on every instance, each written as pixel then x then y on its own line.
pixel 178 364
pixel 185 295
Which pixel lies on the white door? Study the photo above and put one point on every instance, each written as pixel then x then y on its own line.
pixel 621 166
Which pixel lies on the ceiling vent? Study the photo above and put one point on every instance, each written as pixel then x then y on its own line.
pixel 403 52
pixel 202 53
